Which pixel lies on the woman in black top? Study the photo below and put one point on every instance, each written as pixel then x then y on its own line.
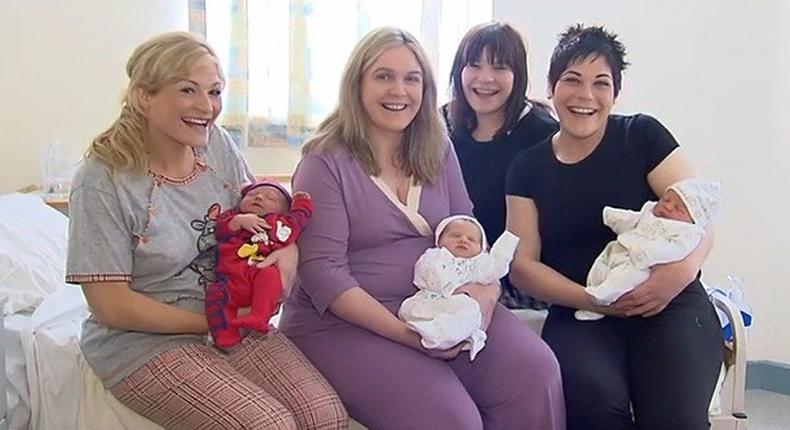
pixel 653 363
pixel 491 121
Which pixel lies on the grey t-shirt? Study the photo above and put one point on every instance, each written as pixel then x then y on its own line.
pixel 154 232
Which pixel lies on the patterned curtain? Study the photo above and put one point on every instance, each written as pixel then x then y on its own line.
pixel 283 58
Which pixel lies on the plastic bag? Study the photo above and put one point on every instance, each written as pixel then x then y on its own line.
pixel 737 296
pixel 58 164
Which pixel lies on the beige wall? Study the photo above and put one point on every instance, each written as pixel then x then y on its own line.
pixel 715 72
pixel 63 72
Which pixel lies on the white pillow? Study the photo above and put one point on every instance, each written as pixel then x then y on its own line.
pixel 33 240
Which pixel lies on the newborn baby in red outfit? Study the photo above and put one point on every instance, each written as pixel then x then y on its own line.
pixel 266 220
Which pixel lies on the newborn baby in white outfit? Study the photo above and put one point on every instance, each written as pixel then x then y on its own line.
pixel 661 232
pixel 442 318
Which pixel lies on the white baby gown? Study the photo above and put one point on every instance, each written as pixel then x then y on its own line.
pixel 442 318
pixel 643 240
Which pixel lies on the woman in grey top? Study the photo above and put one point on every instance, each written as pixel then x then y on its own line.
pixel 141 244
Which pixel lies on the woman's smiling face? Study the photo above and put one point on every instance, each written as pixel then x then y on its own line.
pixel 392 91
pixel 584 96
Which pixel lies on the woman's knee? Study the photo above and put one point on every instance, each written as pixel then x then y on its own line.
pixel 451 416
pixel 543 364
pixel 430 415
pixel 324 411
pixel 534 392
pixel 442 404
pixel 593 403
pixel 258 412
pixel 538 376
pixel 536 363
pixel 687 420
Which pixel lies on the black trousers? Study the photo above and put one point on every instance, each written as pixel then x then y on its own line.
pixel 664 367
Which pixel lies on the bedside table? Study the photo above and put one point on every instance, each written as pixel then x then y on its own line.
pixel 61 204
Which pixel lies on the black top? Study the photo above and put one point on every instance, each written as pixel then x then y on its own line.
pixel 484 165
pixel 570 197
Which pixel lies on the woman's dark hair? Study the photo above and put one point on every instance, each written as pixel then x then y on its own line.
pixel 578 43
pixel 504 46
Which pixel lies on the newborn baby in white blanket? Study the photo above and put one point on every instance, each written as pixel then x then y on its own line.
pixel 661 232
pixel 442 318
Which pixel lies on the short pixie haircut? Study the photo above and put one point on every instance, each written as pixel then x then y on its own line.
pixel 578 43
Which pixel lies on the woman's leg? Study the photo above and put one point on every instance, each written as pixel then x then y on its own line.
pixel 192 387
pixel 676 359
pixel 515 380
pixel 593 357
pixel 271 361
pixel 388 386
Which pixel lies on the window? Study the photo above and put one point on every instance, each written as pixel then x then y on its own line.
pixel 283 59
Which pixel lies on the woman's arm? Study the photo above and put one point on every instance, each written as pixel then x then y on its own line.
pixel 666 280
pixel 360 308
pixel 529 274
pixel 118 307
pixel 99 243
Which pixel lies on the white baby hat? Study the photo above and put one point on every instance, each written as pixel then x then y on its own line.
pixel 701 197
pixel 445 222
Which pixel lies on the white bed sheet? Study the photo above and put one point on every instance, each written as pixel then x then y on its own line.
pixel 43 363
pixel 17 395
pixel 51 386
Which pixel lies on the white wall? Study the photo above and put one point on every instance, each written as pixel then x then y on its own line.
pixel 62 72
pixel 716 73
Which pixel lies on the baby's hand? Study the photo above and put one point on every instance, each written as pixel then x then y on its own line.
pixel 301 194
pixel 250 222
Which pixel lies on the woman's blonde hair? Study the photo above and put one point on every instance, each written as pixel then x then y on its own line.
pixel 424 141
pixel 156 63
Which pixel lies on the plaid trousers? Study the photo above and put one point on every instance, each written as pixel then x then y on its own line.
pixel 263 383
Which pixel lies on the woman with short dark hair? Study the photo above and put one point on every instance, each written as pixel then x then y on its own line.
pixel 653 363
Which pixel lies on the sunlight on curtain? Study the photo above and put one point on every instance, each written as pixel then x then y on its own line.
pixel 283 58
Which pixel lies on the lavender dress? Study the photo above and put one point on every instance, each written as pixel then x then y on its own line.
pixel 362 236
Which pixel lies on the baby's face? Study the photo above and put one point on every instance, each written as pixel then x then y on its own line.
pixel 671 206
pixel 264 200
pixel 462 238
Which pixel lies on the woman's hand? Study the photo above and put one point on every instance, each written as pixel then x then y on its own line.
pixel 444 354
pixel 610 311
pixel 413 340
pixel 486 296
pixel 651 297
pixel 286 259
